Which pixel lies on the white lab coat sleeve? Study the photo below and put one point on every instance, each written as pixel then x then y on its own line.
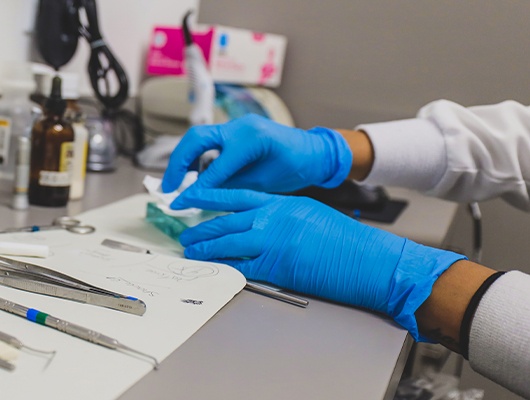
pixel 499 341
pixel 456 153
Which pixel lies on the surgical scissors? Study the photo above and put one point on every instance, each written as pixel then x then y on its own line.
pixel 70 224
pixel 38 279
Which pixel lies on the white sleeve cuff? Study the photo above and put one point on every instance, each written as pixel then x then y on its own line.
pixel 499 341
pixel 409 153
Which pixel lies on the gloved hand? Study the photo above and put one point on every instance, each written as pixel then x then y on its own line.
pixel 300 244
pixel 259 154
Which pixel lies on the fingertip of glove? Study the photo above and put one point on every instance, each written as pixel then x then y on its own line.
pixel 169 183
pixel 186 198
pixel 179 203
pixel 184 239
pixel 194 253
pixel 187 251
pixel 166 187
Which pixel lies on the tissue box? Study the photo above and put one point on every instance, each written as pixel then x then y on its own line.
pixel 233 55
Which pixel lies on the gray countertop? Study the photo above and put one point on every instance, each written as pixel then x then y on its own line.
pixel 259 348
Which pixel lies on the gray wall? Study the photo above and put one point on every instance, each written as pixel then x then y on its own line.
pixel 350 62
pixel 371 60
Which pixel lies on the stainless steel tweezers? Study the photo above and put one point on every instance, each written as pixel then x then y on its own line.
pixel 38 279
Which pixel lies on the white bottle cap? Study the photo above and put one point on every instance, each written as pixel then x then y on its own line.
pixel 69 84
pixel 70 87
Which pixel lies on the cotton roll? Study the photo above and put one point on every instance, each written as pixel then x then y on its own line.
pixel 24 249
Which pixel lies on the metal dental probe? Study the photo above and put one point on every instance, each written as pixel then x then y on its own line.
pixel 7 365
pixel 13 341
pixel 78 331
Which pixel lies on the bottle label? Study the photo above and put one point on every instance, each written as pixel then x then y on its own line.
pixel 54 178
pixel 5 136
pixel 66 157
pixel 63 177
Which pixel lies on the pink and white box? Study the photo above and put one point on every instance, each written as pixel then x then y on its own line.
pixel 233 55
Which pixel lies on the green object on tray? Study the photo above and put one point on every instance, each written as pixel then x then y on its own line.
pixel 173 226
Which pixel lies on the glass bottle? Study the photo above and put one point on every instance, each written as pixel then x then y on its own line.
pixel 52 140
pixel 75 115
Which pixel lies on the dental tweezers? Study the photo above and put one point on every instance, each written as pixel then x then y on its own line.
pixel 38 279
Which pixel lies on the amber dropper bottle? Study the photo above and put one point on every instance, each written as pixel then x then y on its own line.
pixel 51 153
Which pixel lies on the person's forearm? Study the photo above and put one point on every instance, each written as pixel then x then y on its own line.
pixel 363 153
pixel 440 316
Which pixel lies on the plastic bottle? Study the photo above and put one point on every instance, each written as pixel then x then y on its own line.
pixel 20 189
pixel 52 143
pixel 77 118
pixel 16 85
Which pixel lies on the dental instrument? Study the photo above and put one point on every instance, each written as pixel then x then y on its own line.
pixel 7 365
pixel 14 342
pixel 37 279
pixel 77 331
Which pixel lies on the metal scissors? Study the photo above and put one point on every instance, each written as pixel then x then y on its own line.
pixel 70 224
pixel 38 279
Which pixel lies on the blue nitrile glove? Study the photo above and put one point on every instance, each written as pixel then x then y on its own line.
pixel 303 245
pixel 260 154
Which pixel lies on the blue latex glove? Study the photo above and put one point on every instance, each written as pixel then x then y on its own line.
pixel 300 244
pixel 260 154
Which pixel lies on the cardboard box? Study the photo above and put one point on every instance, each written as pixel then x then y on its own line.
pixel 233 55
